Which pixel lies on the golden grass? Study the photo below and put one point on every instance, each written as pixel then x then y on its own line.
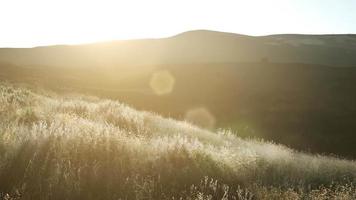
pixel 78 147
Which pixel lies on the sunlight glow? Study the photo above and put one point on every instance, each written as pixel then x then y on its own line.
pixel 42 22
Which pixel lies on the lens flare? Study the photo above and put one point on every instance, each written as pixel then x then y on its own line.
pixel 162 82
pixel 201 116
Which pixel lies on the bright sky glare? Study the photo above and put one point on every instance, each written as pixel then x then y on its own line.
pixel 28 23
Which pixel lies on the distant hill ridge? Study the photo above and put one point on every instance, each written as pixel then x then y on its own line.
pixel 199 46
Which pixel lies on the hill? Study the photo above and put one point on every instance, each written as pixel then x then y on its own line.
pixel 71 146
pixel 193 47
pixel 307 107
pixel 297 90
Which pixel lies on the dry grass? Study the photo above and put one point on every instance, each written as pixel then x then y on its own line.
pixel 77 147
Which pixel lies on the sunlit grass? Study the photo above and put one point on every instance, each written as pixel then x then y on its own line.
pixel 78 147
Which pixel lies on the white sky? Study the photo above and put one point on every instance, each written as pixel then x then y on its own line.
pixel 27 23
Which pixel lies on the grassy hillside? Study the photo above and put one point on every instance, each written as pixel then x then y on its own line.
pixel 307 107
pixel 297 90
pixel 81 147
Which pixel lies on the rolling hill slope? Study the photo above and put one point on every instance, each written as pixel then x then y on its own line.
pixel 80 147
pixel 308 107
pixel 297 90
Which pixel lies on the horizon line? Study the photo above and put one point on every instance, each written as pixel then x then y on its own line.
pixel 176 35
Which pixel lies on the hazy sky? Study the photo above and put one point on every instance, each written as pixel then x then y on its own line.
pixel 27 23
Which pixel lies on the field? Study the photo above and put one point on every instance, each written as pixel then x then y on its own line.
pixel 72 146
